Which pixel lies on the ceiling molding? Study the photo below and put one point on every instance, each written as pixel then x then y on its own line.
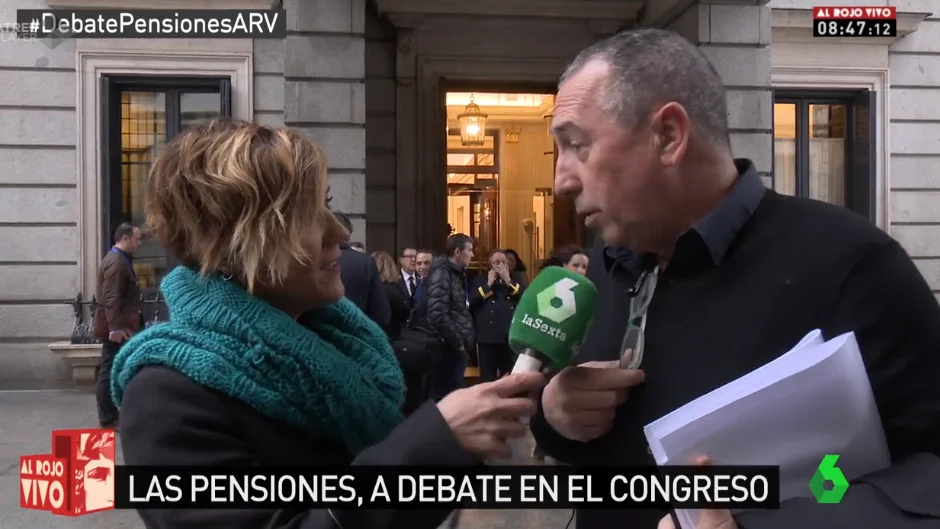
pixel 162 4
pixel 802 19
pixel 624 10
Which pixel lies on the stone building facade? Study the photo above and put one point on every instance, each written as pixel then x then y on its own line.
pixel 364 79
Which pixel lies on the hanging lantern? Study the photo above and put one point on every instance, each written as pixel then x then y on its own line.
pixel 472 126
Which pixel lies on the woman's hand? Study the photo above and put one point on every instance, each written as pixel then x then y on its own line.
pixel 485 416
pixel 707 518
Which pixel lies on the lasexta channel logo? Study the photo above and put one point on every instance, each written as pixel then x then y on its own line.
pixel 828 472
pixel 77 478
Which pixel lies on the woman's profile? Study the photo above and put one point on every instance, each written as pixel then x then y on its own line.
pixel 263 361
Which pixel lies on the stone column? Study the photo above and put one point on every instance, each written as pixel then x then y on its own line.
pixel 324 93
pixel 735 36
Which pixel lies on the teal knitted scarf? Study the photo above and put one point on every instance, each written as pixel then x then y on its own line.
pixel 331 373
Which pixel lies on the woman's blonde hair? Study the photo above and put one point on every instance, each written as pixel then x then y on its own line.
pixel 388 270
pixel 238 199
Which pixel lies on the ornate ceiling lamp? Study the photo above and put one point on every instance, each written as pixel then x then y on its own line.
pixel 472 125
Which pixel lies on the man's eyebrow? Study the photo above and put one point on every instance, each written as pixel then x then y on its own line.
pixel 565 127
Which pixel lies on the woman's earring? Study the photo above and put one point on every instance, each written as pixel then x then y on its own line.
pixel 227 277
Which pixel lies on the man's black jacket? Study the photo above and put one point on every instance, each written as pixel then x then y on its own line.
pixel 363 285
pixel 743 287
pixel 448 312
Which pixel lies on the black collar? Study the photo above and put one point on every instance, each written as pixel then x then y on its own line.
pixel 716 231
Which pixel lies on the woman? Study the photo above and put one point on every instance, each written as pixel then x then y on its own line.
pixel 397 298
pixel 263 362
pixel 517 269
pixel 572 257
pixel 493 298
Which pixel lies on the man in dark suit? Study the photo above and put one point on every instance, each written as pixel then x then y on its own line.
pixel 409 277
pixel 361 280
pixel 117 316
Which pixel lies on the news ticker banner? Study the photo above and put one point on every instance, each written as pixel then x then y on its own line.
pixel 80 477
pixel 150 24
pixel 497 487
pixel 847 21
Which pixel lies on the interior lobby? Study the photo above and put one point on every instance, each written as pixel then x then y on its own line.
pixel 500 171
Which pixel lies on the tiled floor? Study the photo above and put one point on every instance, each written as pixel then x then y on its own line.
pixel 27 417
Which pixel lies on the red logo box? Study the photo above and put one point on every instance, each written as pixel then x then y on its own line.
pixel 76 479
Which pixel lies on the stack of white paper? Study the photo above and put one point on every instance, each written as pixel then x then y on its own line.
pixel 814 400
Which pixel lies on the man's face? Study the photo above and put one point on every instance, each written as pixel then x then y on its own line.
pixel 132 243
pixel 407 260
pixel 613 174
pixel 465 255
pixel 423 264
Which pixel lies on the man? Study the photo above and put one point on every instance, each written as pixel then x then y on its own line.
pixel 448 314
pixel 117 316
pixel 743 274
pixel 361 279
pixel 409 279
pixel 419 311
pixel 423 260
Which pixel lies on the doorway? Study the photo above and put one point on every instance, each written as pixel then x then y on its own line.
pixel 500 172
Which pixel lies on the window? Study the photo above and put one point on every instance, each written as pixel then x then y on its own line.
pixel 139 117
pixel 823 148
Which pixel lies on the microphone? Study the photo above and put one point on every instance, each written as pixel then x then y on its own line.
pixel 551 320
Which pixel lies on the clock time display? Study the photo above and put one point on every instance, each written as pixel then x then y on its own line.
pixel 836 27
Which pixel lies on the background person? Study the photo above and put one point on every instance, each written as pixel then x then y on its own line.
pixel 409 276
pixel 117 316
pixel 517 268
pixel 448 314
pixel 264 363
pixel 493 299
pixel 361 279
pixel 395 293
pixel 572 257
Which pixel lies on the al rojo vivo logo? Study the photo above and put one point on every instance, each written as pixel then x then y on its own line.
pixel 76 478
pixel 828 472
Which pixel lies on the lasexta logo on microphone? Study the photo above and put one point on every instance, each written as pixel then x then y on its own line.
pixel 77 478
pixel 557 302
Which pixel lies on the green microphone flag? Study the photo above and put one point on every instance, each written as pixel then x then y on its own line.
pixel 552 319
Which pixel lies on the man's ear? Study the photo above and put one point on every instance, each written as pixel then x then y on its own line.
pixel 671 128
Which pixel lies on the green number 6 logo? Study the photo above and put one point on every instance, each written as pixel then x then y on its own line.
pixel 828 471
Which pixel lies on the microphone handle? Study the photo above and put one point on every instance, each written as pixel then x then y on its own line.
pixel 530 361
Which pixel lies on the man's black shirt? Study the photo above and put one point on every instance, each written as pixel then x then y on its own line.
pixel 793 265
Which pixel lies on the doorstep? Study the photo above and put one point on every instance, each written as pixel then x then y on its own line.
pixel 82 358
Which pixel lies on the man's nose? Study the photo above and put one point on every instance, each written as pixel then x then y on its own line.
pixel 567 183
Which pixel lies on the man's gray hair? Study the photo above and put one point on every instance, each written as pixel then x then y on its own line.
pixel 650 67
